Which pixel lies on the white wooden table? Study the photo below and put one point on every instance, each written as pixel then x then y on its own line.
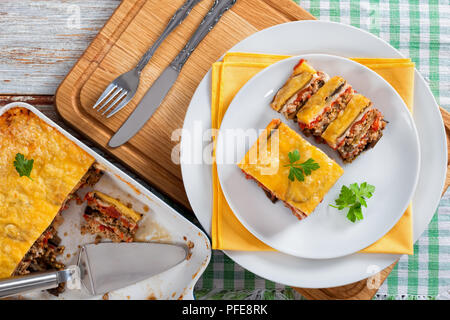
pixel 39 43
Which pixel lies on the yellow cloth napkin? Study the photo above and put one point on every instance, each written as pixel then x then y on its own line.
pixel 227 78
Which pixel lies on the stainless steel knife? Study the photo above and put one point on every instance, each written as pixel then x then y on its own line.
pixel 157 92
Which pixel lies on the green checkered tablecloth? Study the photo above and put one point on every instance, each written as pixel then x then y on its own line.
pixel 421 31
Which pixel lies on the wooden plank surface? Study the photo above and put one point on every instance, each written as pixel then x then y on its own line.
pixel 40 40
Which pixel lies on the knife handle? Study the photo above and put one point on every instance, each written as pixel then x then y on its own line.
pixel 209 21
pixel 174 22
pixel 38 281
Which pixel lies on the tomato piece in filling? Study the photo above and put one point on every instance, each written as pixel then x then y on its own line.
pixel 299 64
pixel 302 126
pixel 376 123
pixel 111 211
pixel 125 222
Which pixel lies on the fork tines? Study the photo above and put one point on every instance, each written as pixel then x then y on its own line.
pixel 111 97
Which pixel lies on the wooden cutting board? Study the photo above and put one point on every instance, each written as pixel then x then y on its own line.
pixel 130 31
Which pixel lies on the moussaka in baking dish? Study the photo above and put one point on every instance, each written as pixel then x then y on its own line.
pixel 40 171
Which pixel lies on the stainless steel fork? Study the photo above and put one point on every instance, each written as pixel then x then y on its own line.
pixel 122 89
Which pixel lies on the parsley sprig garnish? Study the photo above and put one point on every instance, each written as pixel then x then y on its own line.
pixel 23 166
pixel 300 170
pixel 354 197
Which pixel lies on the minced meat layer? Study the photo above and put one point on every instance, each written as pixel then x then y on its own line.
pixel 363 135
pixel 93 175
pixel 329 114
pixel 298 100
pixel 42 256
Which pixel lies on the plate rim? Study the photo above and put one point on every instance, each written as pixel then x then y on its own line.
pixel 415 139
pixel 247 259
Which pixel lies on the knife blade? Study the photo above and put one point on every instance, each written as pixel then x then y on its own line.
pixel 157 92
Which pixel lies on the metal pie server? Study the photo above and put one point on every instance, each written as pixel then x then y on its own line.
pixel 102 268
pixel 157 92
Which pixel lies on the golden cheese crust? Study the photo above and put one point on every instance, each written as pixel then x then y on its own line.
pixel 301 76
pixel 293 85
pixel 28 206
pixel 269 168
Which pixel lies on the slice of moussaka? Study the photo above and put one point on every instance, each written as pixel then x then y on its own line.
pixel 358 128
pixel 270 162
pixel 40 171
pixel 301 85
pixel 324 106
pixel 110 218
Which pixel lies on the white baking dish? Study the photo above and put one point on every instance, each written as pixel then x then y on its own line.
pixel 160 223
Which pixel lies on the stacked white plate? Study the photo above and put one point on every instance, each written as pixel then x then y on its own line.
pixel 408 164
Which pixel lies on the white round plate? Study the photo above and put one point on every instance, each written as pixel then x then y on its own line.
pixel 341 40
pixel 392 166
